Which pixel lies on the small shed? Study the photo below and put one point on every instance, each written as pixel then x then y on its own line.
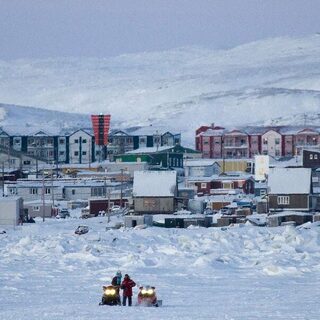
pixel 133 221
pixel 11 210
pixel 284 218
pixel 154 191
pixel 35 209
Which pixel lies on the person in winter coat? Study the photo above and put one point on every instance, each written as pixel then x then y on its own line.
pixel 116 282
pixel 127 285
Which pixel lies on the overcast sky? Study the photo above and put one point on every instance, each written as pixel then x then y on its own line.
pixel 97 28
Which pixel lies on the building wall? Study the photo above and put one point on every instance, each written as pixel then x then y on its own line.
pixel 233 165
pixel 41 146
pixel 35 210
pixel 236 145
pixel 271 143
pixel 296 201
pixel 10 211
pixel 201 171
pixel 76 192
pixel 80 147
pixel 287 146
pixel 154 205
pixel 35 193
pixel 255 145
pixel 61 149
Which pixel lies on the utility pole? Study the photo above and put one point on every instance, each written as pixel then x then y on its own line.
pixel 43 197
pixel 108 212
pixel 2 179
pixel 52 193
pixel 121 186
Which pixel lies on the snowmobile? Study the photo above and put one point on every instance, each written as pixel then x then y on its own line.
pixel 111 296
pixel 147 297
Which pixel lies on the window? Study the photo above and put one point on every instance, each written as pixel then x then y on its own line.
pixel 98 191
pixel 61 141
pixel 311 156
pixel 277 140
pixel 84 140
pixel 203 185
pixel 84 153
pixel 263 192
pixel 283 200
pixel 61 153
pixel 48 191
pixel 315 157
pixel 73 191
pixel 76 153
pixel 36 208
pixel 76 141
pixel 265 141
pixel 16 141
pixel 26 162
pixel 33 191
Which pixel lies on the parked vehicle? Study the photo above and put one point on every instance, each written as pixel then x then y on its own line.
pixel 147 297
pixel 85 213
pixel 82 230
pixel 110 296
pixel 115 209
pixel 63 213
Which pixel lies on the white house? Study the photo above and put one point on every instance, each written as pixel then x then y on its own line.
pixel 81 147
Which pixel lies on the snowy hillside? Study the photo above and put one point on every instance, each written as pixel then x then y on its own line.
pixel 300 119
pixel 27 120
pixel 48 272
pixel 253 82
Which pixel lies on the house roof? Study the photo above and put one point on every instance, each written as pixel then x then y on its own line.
pixel 149 150
pixel 200 162
pixel 154 183
pixel 289 180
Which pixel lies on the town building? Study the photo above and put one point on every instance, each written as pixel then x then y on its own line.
pixel 163 156
pixel 246 142
pixel 154 192
pixel 290 189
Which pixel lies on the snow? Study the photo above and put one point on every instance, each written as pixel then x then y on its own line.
pixel 199 163
pixel 149 149
pixel 48 272
pixel 289 180
pixel 154 183
pixel 179 89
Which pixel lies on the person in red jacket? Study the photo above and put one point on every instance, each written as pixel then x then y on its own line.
pixel 127 285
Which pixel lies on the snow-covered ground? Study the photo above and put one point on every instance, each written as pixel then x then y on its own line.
pixel 48 272
pixel 252 82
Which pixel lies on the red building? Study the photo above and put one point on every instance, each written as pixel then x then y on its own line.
pixel 282 141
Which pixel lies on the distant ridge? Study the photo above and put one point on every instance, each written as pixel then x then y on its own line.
pixel 181 89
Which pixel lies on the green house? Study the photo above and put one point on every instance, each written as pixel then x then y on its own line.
pixel 164 156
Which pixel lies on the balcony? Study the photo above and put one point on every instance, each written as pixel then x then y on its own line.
pixel 235 145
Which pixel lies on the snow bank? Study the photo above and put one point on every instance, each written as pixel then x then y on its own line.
pixel 48 269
